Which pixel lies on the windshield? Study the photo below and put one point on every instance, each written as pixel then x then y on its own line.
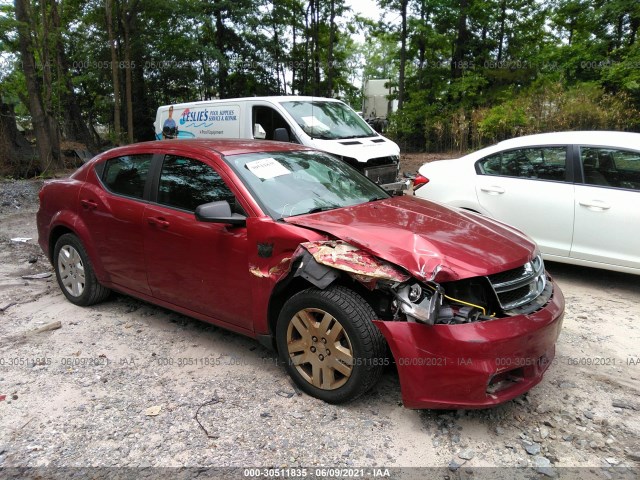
pixel 299 182
pixel 328 120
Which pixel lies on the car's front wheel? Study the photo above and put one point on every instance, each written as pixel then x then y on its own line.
pixel 74 272
pixel 329 344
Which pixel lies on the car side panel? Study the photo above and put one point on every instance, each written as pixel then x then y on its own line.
pixel 197 265
pixel 544 210
pixel 113 223
pixel 57 208
pixel 272 245
pixel 451 182
pixel 607 226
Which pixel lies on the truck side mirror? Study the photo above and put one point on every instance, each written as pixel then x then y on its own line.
pixel 281 135
pixel 258 132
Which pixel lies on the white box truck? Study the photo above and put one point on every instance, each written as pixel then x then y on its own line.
pixel 323 123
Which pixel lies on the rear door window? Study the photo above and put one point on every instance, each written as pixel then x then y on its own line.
pixel 611 167
pixel 539 163
pixel 127 175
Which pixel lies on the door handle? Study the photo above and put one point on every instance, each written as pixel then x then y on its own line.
pixel 89 204
pixel 493 190
pixel 595 205
pixel 159 221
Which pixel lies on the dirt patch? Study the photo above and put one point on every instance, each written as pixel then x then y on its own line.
pixel 78 396
pixel 411 162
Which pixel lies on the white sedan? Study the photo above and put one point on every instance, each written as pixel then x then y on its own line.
pixel 576 193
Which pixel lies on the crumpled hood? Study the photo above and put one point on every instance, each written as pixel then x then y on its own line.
pixel 431 241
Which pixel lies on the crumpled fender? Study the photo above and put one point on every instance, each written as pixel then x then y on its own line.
pixel 359 263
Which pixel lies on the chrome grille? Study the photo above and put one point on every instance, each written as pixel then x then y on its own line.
pixel 520 286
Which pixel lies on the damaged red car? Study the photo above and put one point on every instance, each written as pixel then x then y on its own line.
pixel 295 248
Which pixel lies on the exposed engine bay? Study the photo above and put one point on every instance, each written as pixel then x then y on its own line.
pixel 513 292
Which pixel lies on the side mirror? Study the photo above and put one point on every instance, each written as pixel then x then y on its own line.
pixel 281 135
pixel 219 212
pixel 258 132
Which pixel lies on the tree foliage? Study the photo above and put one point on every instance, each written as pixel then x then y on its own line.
pixel 466 72
pixel 479 71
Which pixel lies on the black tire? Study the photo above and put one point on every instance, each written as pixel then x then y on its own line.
pixel 335 380
pixel 75 274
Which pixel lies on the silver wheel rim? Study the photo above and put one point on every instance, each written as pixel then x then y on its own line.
pixel 71 270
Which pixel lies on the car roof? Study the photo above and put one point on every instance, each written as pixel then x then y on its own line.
pixel 219 146
pixel 595 137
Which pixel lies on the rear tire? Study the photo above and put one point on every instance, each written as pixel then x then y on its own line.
pixel 329 344
pixel 75 274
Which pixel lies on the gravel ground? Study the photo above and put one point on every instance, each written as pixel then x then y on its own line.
pixel 128 384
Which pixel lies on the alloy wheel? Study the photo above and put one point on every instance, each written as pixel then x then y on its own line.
pixel 71 270
pixel 320 348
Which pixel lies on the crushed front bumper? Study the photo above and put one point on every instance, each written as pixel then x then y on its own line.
pixel 474 365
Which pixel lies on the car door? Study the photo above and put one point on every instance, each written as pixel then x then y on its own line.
pixel 112 209
pixel 607 224
pixel 196 265
pixel 530 189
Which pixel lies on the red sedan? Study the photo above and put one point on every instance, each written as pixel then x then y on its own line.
pixel 293 247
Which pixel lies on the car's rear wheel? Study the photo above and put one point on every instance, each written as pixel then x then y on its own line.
pixel 329 344
pixel 75 274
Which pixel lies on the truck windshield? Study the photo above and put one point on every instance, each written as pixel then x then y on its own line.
pixel 293 183
pixel 328 120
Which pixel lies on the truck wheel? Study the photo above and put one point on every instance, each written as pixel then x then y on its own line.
pixel 329 344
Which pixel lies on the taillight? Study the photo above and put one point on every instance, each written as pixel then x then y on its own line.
pixel 419 181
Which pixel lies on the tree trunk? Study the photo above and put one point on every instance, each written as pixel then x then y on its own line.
pixel 114 73
pixel 316 51
pixel 293 64
pixel 305 73
pixel 49 152
pixel 332 39
pixel 315 42
pixel 220 44
pixel 503 19
pixel 128 15
pixel 8 134
pixel 634 24
pixel 422 44
pixel 276 52
pixel 75 128
pixel 461 42
pixel 403 52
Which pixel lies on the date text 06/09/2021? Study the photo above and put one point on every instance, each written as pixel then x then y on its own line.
pixel 318 472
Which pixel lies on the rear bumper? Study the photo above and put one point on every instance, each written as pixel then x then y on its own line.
pixel 474 365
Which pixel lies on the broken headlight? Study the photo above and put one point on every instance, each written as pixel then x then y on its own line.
pixel 428 303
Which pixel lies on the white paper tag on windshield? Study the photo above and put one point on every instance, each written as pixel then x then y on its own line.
pixel 267 168
pixel 313 122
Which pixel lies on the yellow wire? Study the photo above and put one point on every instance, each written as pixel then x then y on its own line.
pixel 484 312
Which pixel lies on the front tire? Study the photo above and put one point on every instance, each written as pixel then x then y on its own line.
pixel 329 344
pixel 75 274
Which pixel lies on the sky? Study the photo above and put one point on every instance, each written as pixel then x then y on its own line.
pixel 366 8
